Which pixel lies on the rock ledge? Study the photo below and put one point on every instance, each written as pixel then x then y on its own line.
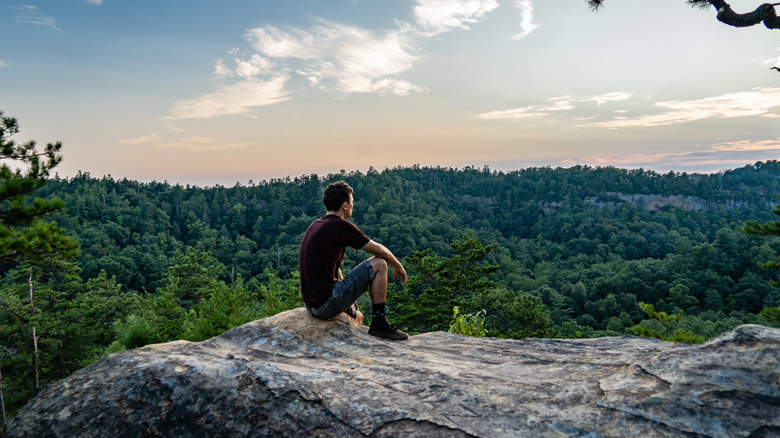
pixel 294 375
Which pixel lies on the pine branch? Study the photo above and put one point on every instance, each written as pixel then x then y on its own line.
pixel 764 13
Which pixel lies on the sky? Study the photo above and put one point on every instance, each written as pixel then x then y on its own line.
pixel 232 91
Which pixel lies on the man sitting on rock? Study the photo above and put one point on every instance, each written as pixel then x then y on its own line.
pixel 326 291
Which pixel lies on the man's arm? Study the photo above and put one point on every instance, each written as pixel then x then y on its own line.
pixel 379 250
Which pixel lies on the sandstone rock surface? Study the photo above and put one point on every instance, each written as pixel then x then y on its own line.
pixel 293 375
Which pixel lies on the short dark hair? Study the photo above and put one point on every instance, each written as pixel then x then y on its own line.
pixel 335 195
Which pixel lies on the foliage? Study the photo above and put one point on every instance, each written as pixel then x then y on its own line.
pixel 227 306
pixel 23 171
pixel 34 314
pixel 589 242
pixel 441 283
pixel 770 228
pixel 279 295
pixel 472 324
pixel 194 275
pixel 516 315
pixel 50 298
pixel 764 13
pixel 670 324
pixel 771 315
pixel 193 304
pixel 202 306
pixel 156 318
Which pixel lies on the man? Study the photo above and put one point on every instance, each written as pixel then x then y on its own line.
pixel 326 292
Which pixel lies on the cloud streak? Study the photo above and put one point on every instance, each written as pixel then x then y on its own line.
pixel 749 145
pixel 32 15
pixel 191 143
pixel 756 102
pixel 527 24
pixel 555 104
pixel 239 98
pixel 715 158
pixel 144 139
pixel 771 62
pixel 435 17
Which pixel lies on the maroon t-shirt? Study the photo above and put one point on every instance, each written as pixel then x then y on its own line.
pixel 322 250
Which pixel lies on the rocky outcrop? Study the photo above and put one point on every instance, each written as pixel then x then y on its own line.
pixel 659 202
pixel 293 375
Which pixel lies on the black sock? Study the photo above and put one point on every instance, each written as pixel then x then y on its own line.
pixel 378 311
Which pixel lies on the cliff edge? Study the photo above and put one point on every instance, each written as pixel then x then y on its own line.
pixel 294 375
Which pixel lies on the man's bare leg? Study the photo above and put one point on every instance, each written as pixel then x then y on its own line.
pixel 377 290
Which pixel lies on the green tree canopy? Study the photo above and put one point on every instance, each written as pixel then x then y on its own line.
pixel 441 283
pixel 24 170
pixel 770 228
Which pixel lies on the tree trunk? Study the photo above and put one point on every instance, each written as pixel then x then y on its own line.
pixel 34 338
pixel 2 403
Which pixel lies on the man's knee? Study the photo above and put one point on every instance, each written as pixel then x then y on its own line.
pixel 379 265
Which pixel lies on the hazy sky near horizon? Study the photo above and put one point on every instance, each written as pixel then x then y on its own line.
pixel 219 92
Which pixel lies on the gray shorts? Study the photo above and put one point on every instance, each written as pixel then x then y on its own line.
pixel 345 292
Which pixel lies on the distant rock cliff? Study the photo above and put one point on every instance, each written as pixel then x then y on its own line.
pixel 293 375
pixel 658 202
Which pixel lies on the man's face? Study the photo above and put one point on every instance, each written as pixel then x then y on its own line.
pixel 349 206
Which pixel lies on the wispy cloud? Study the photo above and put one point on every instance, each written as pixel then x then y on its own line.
pixel 190 143
pixel 757 102
pixel 4 63
pixel 234 99
pixel 255 66
pixel 527 24
pixel 749 145
pixel 336 58
pixel 712 159
pixel 343 58
pixel 144 139
pixel 773 61
pixel 555 104
pixel 95 2
pixel 438 16
pixel 532 111
pixel 608 97
pixel 32 15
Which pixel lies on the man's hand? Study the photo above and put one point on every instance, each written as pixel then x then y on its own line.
pixel 399 273
pixel 379 250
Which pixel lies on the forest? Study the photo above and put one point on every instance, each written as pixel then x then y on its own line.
pixel 538 252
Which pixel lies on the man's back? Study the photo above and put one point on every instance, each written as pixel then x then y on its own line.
pixel 322 251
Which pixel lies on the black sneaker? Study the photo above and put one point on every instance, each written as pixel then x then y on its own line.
pixel 385 330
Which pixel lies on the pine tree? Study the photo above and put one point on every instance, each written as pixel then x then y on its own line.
pixel 24 170
pixel 441 283
pixel 771 228
pixel 764 13
pixel 671 325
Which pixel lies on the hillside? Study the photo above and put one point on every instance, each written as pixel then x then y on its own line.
pixel 572 236
pixel 570 253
